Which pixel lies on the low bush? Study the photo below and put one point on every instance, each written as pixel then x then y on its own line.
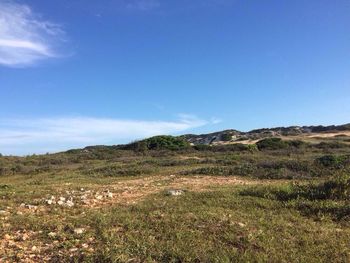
pixel 226 137
pixel 331 145
pixel 158 143
pixel 333 161
pixel 277 144
pixel 271 144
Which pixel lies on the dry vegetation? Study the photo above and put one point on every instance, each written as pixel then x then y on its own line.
pixel 276 201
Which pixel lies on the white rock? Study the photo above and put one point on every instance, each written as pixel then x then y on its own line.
pixel 31 207
pixel 79 231
pixel 60 202
pixel 99 197
pixel 109 195
pixel 69 203
pixel 175 192
pixel 50 201
pixel 52 234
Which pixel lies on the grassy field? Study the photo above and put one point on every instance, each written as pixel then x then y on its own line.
pixel 270 202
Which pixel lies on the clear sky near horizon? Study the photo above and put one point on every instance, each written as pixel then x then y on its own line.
pixel 76 72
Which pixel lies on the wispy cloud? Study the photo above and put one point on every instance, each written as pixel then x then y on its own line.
pixel 24 37
pixel 26 136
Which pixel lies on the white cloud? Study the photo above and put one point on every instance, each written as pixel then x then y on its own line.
pixel 26 136
pixel 24 38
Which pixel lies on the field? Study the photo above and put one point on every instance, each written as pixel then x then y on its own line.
pixel 276 201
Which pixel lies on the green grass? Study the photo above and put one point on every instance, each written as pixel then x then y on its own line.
pixel 294 208
pixel 219 226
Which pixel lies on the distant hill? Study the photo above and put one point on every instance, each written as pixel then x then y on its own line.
pixel 227 136
pixel 231 136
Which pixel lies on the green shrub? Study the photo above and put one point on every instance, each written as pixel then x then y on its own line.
pixel 331 145
pixel 271 144
pixel 162 142
pixel 333 161
pixel 226 137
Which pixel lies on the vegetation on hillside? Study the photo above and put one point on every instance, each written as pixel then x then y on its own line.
pixel 273 201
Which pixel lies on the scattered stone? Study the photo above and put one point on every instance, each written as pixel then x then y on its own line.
pixel 99 197
pixel 52 234
pixel 62 199
pixel 31 207
pixel 69 203
pixel 34 248
pixel 3 212
pixel 74 249
pixel 108 194
pixel 25 237
pixel 7 237
pixel 60 202
pixel 51 200
pixel 79 231
pixel 175 192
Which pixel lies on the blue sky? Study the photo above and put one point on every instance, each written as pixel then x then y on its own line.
pixel 76 72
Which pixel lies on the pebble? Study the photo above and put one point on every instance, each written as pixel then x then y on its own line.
pixel 31 207
pixel 49 202
pixel 99 197
pixel 79 231
pixel 85 245
pixel 52 234
pixel 7 237
pixel 69 203
pixel 25 237
pixel 175 192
